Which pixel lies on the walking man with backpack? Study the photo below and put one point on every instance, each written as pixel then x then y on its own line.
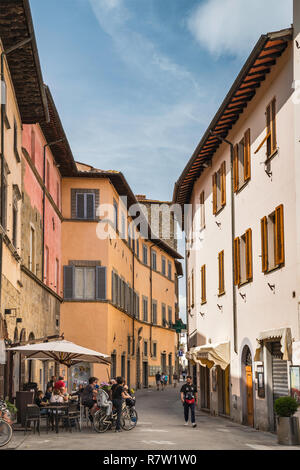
pixel 188 395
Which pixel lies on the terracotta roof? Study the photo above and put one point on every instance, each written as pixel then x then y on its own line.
pixel 263 57
pixel 16 26
pixel 123 189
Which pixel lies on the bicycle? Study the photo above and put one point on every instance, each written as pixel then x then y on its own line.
pixel 103 423
pixel 5 425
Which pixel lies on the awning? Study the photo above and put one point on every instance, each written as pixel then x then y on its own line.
pixel 284 335
pixel 209 355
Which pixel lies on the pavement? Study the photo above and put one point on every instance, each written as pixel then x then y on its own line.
pixel 160 427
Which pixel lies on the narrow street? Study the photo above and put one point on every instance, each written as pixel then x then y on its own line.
pixel 160 427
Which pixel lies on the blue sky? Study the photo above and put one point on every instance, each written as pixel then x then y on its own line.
pixel 136 82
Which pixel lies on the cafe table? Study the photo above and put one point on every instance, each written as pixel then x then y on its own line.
pixel 53 409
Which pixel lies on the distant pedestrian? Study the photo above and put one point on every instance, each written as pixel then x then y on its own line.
pixel 184 374
pixel 157 379
pixel 162 381
pixel 188 395
pixel 166 378
pixel 175 379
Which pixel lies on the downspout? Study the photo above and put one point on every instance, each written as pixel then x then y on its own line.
pixel 234 305
pixel 151 295
pixel 44 204
pixel 133 336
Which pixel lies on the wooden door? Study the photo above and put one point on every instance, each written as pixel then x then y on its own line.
pixel 249 390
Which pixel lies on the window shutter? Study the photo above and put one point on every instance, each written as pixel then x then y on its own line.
pixel 237 271
pixel 221 272
pixel 249 270
pixel 247 156
pixel 279 235
pixel 264 244
pixel 80 206
pixel 68 282
pixel 236 168
pixel 214 185
pixel 273 125
pixel 203 284
pixel 223 184
pixel 100 283
pixel 90 206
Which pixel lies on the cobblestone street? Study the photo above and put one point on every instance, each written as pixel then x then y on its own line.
pixel 160 426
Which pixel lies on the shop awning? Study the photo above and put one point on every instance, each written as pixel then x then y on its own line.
pixel 283 335
pixel 209 355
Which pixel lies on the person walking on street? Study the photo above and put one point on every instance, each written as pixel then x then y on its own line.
pixel 188 395
pixel 162 381
pixel 183 374
pixel 157 379
pixel 175 379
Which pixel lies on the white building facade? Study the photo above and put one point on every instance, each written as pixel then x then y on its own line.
pixel 243 238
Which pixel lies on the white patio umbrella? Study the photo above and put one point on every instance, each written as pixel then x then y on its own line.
pixel 63 351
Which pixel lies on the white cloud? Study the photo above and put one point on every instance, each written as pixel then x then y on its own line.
pixel 234 26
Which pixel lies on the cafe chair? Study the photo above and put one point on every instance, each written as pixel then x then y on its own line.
pixel 72 416
pixel 33 415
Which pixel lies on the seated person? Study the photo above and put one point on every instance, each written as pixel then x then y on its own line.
pixel 64 394
pixel 60 383
pixel 89 397
pixel 56 397
pixel 39 402
pixel 48 394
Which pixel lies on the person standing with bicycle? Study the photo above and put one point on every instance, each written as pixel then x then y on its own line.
pixel 118 396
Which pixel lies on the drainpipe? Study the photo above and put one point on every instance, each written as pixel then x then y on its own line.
pixel 44 203
pixel 133 336
pixel 234 305
pixel 151 294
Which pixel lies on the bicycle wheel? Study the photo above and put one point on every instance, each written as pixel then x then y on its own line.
pixel 5 433
pixel 129 419
pixel 101 422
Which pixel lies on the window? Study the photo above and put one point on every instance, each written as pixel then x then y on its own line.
pixel 219 188
pixel 193 291
pixel 123 235
pixel 271 128
pixel 16 141
pixel 4 202
pixel 85 283
pixel 145 348
pixel 128 344
pixel 137 248
pixel 46 276
pixel 154 312
pixel 154 350
pixel 170 320
pixel 115 215
pixel 189 295
pixel 163 315
pixel 145 254
pixel 145 309
pixel 202 211
pixel 243 258
pixel 56 285
pixel 169 270
pixel 163 265
pixel 203 284
pixel 153 260
pixel 272 240
pixel 15 223
pixel 85 206
pixel 242 162
pixel 32 250
pixel 221 273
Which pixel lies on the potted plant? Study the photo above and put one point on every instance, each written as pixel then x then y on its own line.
pixel 287 424
pixel 12 409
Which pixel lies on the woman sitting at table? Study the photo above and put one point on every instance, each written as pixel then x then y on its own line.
pixel 64 394
pixel 39 402
pixel 48 394
pixel 56 397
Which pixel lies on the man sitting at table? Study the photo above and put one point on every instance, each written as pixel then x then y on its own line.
pixel 56 397
pixel 89 397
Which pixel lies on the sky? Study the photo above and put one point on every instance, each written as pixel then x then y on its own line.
pixel 137 82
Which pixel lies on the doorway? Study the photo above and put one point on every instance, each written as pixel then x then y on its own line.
pixel 247 370
pixel 145 374
pixel 205 387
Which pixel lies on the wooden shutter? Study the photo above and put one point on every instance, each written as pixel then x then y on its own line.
pixel 247 156
pixel 90 206
pixel 101 283
pixel 68 282
pixel 223 184
pixel 236 168
pixel 279 235
pixel 273 125
pixel 203 284
pixel 80 206
pixel 264 244
pixel 249 269
pixel 221 272
pixel 214 188
pixel 237 270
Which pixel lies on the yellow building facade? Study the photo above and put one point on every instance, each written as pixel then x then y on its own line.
pixel 119 288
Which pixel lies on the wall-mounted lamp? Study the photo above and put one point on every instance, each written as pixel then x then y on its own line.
pixel 220 307
pixel 218 224
pixel 272 286
pixel 242 295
